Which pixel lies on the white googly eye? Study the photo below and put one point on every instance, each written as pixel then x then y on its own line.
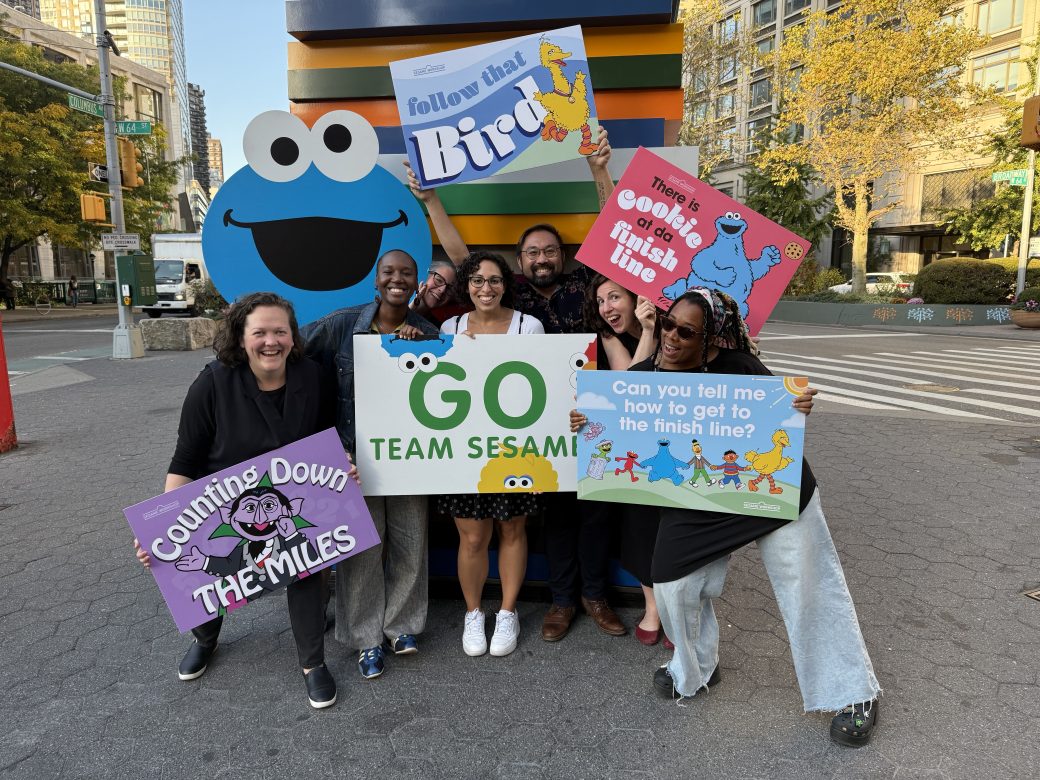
pixel 510 482
pixel 277 146
pixel 345 145
pixel 408 363
pixel 525 481
pixel 729 215
pixel 736 215
pixel 577 361
pixel 427 362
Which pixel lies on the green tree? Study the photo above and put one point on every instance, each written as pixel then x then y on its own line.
pixel 878 88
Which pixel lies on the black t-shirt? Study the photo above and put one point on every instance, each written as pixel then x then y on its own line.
pixel 689 539
pixel 628 341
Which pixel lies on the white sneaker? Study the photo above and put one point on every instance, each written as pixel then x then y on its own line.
pixel 507 631
pixel 474 640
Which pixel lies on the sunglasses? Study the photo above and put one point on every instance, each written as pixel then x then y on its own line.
pixel 683 332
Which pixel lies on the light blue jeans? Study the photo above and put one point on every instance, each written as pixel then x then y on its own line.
pixel 830 657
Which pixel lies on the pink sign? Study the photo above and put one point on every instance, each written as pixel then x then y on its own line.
pixel 664 231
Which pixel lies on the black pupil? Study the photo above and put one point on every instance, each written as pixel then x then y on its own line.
pixel 337 138
pixel 409 364
pixel 284 151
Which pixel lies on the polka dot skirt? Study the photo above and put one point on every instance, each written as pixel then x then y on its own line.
pixel 497 506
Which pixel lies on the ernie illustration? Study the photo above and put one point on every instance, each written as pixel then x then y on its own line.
pixel 731 470
pixel 567 106
pixel 769 462
pixel 268 524
pixel 627 463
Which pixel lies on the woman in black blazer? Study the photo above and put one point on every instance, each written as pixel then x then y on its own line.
pixel 260 393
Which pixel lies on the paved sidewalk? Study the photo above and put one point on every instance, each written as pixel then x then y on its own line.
pixel 29 314
pixel 936 522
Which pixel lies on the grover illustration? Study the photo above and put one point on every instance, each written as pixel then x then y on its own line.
pixel 724 265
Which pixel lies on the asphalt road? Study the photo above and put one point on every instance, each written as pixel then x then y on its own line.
pixel 38 344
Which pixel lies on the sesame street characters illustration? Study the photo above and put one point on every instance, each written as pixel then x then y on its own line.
pixel 310 215
pixel 769 462
pixel 664 465
pixel 269 525
pixel 593 430
pixel 524 474
pixel 628 462
pixel 730 468
pixel 582 361
pixel 724 265
pixel 417 354
pixel 567 106
pixel 599 460
pixel 700 465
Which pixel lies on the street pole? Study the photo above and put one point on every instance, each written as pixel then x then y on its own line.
pixel 1027 220
pixel 126 339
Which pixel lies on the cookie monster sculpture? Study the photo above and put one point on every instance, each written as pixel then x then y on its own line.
pixel 310 215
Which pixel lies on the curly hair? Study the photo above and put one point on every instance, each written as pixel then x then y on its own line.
pixel 469 267
pixel 590 308
pixel 228 343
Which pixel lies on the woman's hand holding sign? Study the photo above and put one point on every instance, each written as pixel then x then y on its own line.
pixel 578 420
pixel 804 402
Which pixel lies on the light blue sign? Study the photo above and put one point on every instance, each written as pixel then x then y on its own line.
pixel 714 442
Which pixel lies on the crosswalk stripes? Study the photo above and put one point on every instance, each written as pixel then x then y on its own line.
pixel 991 383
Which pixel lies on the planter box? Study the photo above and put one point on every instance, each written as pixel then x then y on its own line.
pixel 1026 319
pixel 902 314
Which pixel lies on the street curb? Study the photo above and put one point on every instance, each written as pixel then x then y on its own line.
pixel 27 314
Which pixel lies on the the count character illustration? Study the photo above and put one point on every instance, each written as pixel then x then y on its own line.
pixel 310 215
pixel 267 523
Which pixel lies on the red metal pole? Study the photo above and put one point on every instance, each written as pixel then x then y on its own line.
pixel 8 437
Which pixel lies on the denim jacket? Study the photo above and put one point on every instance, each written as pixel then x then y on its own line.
pixel 330 342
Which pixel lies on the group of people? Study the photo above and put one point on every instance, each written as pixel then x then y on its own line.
pixel 273 383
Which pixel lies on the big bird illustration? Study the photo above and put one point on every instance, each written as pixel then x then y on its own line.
pixel 567 106
pixel 523 474
pixel 770 462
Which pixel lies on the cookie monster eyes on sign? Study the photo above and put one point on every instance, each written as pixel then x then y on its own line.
pixel 310 215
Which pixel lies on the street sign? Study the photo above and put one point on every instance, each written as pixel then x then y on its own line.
pixel 1015 178
pixel 86 106
pixel 133 128
pixel 120 242
pixel 1034 247
pixel 97 171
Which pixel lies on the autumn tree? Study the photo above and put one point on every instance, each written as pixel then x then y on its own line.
pixel 873 91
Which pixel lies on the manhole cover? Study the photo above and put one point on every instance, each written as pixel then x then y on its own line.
pixel 1033 594
pixel 933 388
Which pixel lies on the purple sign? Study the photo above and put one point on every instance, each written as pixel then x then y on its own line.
pixel 256 527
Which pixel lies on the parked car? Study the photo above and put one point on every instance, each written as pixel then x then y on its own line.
pixel 879 283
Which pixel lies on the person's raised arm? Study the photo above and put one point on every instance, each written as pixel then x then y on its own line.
pixel 646 313
pixel 445 229
pixel 600 172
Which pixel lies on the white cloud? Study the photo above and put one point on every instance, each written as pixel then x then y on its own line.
pixel 589 400
pixel 796 420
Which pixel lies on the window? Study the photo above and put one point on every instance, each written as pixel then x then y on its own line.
pixel 725 104
pixel 726 140
pixel 942 192
pixel 764 12
pixel 765 46
pixel 728 29
pixel 699 112
pixel 998 70
pixel 148 103
pixel 756 132
pixel 998 15
pixel 795 5
pixel 761 92
pixel 728 68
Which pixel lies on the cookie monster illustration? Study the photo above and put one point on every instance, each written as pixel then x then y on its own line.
pixel 418 354
pixel 664 465
pixel 724 265
pixel 310 215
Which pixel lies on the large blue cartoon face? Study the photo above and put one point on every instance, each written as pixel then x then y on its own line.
pixel 730 225
pixel 310 215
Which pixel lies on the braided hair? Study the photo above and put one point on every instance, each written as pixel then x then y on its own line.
pixel 723 325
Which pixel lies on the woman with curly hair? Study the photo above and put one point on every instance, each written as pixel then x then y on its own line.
pixel 485 280
pixel 261 393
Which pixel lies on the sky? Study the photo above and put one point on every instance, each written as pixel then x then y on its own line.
pixel 236 51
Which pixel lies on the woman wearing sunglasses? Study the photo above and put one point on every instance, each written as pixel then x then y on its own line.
pixel 485 280
pixel 703 332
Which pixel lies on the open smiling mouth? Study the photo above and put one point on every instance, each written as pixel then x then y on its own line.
pixel 729 229
pixel 318 253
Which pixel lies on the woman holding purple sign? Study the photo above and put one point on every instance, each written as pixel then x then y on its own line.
pixel 260 393
pixel 703 332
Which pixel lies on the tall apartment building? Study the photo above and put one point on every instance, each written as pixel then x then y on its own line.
pixel 216 164
pixel 27 7
pixel 908 237
pixel 150 32
pixel 199 136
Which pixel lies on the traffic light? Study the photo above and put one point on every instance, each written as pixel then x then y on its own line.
pixel 129 167
pixel 92 208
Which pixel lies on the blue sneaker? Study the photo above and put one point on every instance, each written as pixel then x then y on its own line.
pixel 370 662
pixel 405 645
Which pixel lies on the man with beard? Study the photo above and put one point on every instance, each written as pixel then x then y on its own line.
pixel 577 537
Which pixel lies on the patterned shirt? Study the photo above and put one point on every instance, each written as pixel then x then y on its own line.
pixel 561 312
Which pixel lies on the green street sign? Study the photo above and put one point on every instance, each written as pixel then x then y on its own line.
pixel 133 128
pixel 1016 178
pixel 86 106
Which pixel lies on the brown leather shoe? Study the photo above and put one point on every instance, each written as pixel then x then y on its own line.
pixel 605 617
pixel 557 622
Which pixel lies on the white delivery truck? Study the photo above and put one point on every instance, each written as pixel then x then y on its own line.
pixel 178 262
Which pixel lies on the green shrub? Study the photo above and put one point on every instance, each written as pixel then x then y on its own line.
pixel 964 281
pixel 810 278
pixel 830 296
pixel 208 301
pixel 1029 294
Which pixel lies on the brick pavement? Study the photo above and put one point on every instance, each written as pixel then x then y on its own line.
pixel 935 521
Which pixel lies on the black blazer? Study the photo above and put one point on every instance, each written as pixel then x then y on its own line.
pixel 227 419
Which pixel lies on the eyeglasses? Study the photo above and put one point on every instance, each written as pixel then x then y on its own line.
pixel 668 325
pixel 550 252
pixel 480 281
pixel 438 280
